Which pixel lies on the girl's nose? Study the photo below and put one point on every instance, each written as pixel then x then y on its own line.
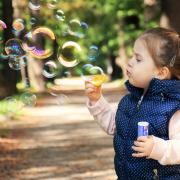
pixel 130 62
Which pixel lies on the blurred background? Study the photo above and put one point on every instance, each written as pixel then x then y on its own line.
pixel 47 49
pixel 108 28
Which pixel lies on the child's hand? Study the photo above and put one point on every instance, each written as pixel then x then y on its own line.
pixel 143 146
pixel 92 92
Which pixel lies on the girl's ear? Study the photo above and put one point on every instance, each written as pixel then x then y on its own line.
pixel 164 73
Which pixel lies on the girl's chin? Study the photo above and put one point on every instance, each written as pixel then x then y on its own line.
pixel 134 84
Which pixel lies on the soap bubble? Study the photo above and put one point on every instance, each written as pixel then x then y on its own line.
pixel 77 28
pixel 39 43
pixel 28 99
pixel 11 105
pixel 67 74
pixel 93 53
pixel 50 69
pixel 3 57
pixel 51 4
pixel 69 54
pixel 86 71
pixel 28 42
pixel 94 74
pixel 2 25
pixel 14 63
pixel 34 6
pixel 33 21
pixel 14 47
pixel 98 76
pixel 60 98
pixel 18 25
pixel 60 15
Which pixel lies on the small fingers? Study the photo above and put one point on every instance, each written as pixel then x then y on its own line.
pixel 138 149
pixel 138 155
pixel 90 90
pixel 139 143
pixel 142 138
pixel 89 85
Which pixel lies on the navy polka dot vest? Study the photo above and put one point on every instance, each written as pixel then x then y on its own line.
pixel 160 102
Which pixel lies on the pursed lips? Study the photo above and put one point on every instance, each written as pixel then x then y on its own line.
pixel 128 73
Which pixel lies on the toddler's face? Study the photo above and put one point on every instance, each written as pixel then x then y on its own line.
pixel 141 67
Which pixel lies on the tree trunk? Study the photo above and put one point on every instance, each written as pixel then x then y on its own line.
pixel 171 10
pixel 116 70
pixel 36 66
pixel 8 77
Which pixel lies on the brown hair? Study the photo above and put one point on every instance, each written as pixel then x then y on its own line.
pixel 164 48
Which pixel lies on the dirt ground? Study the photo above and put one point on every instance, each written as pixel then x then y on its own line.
pixel 57 142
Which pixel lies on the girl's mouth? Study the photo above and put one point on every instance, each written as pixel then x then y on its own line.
pixel 128 73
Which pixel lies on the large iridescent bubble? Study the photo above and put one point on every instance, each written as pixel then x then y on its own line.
pixel 69 54
pixel 13 47
pixel 40 42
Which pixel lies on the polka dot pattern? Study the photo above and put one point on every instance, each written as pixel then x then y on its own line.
pixel 157 107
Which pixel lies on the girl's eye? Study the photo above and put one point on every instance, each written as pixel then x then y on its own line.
pixel 138 60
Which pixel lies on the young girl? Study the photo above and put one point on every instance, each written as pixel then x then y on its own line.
pixel 154 96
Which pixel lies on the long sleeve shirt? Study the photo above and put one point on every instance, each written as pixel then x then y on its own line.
pixel 166 152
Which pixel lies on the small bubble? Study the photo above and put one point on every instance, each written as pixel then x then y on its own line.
pixel 93 53
pixel 50 69
pixel 28 99
pixel 51 4
pixel 34 6
pixel 14 63
pixel 77 28
pixel 18 25
pixel 60 15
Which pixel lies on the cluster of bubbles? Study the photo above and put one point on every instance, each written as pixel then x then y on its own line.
pixel 39 43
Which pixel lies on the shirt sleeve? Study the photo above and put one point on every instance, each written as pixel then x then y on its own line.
pixel 167 152
pixel 102 113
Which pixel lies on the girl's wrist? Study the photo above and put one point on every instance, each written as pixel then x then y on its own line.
pixel 92 103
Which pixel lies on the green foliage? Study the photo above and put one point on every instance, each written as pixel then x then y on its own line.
pixel 106 20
